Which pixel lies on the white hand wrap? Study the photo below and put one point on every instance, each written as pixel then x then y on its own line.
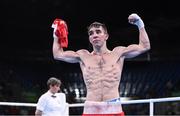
pixel 136 20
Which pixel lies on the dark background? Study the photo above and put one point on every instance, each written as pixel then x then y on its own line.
pixel 26 25
pixel 26 60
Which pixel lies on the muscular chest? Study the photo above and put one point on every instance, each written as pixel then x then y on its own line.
pixel 101 64
pixel 100 60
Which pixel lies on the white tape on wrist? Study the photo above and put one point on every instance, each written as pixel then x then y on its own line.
pixel 139 23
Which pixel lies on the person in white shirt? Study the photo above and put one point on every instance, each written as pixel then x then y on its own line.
pixel 52 103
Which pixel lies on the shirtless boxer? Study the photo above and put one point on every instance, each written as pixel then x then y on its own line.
pixel 102 67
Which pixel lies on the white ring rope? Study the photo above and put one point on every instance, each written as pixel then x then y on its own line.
pixel 150 101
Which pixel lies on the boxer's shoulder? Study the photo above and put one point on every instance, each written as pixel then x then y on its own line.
pixel 83 51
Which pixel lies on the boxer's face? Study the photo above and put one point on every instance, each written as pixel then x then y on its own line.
pixel 97 36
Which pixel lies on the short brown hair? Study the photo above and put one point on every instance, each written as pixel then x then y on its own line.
pixel 97 25
pixel 53 81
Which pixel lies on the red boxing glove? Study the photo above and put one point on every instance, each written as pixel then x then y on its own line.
pixel 61 31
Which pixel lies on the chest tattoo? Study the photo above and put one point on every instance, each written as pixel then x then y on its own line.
pixel 101 62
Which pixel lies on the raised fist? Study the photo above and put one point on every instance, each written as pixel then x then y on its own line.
pixel 60 32
pixel 136 20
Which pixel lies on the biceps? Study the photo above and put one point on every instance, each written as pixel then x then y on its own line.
pixel 133 51
pixel 132 54
pixel 68 56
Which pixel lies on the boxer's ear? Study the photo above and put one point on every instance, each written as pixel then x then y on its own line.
pixel 106 35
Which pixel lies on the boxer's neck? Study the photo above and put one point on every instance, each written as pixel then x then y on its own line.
pixel 100 51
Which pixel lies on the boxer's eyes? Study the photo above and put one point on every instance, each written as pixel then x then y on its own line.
pixel 98 31
pixel 90 32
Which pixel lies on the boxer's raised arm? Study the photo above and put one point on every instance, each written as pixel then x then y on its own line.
pixel 60 35
pixel 67 56
pixel 144 43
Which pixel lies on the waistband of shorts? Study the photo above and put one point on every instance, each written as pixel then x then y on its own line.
pixel 114 100
pixel 115 114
